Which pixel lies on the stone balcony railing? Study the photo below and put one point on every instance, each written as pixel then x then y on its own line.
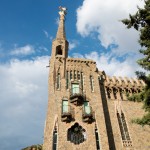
pixel 67 114
pixel 77 96
pixel 88 114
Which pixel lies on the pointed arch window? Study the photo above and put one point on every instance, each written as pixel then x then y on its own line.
pixel 82 81
pixel 70 75
pixel 92 83
pixel 58 81
pixel 78 74
pixel 67 80
pixel 55 138
pixel 97 138
pixel 59 50
pixel 124 129
pixel 76 134
pixel 75 75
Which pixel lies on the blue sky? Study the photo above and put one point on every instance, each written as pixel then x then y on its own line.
pixel 27 28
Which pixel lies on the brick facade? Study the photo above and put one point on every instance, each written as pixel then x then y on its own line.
pixel 94 103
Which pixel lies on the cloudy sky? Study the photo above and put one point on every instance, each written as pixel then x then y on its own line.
pixel 27 28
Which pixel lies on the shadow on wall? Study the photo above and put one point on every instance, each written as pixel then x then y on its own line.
pixel 107 117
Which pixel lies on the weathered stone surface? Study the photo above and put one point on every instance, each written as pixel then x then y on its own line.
pixel 106 97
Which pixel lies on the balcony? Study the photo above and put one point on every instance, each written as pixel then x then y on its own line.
pixel 67 113
pixel 76 96
pixel 88 114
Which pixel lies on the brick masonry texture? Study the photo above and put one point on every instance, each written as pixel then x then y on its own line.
pixel 106 99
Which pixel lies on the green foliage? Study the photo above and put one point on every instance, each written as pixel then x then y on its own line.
pixel 140 21
pixel 145 120
pixel 138 97
pixel 37 147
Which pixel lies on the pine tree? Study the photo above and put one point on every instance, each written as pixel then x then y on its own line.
pixel 140 21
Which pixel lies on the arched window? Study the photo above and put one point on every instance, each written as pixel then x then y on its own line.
pixel 123 127
pixel 58 81
pixel 55 138
pixel 115 93
pixel 70 75
pixel 78 74
pixel 92 83
pixel 67 79
pixel 58 50
pixel 97 138
pixel 76 134
pixel 108 93
pixel 82 80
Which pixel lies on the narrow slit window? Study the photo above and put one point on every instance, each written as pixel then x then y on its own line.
pixel 75 75
pixel 123 127
pixel 91 82
pixel 115 93
pixel 82 82
pixel 70 75
pixel 67 80
pixel 121 94
pixel 78 75
pixel 97 138
pixel 58 81
pixel 55 139
pixel 108 94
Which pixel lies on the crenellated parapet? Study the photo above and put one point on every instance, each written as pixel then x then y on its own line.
pixel 118 87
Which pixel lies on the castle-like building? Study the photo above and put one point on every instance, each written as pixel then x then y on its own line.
pixel 88 110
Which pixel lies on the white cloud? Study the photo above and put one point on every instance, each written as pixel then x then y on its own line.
pixel 47 35
pixel 25 50
pixel 104 18
pixel 111 65
pixel 73 44
pixel 57 20
pixel 23 102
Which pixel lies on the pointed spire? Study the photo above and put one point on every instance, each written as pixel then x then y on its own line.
pixel 61 28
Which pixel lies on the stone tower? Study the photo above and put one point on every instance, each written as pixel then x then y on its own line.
pixel 88 110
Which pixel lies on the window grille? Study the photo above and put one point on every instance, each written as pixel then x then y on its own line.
pixel 124 130
pixel 76 134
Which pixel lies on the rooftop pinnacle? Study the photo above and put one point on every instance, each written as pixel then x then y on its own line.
pixel 61 28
